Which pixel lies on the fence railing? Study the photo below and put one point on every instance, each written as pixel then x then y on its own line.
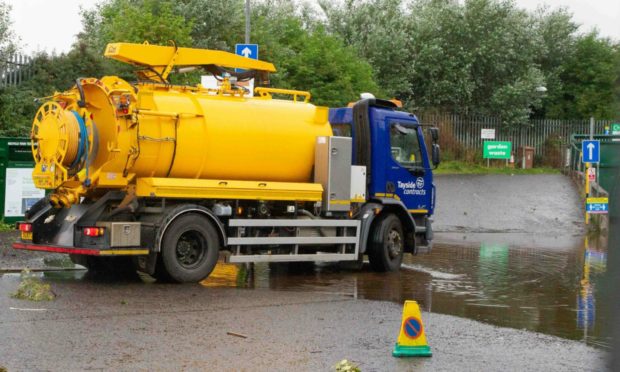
pixel 15 70
pixel 462 134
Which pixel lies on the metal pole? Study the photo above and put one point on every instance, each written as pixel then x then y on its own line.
pixel 587 170
pixel 247 21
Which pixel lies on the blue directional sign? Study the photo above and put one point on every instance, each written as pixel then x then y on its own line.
pixel 247 50
pixel 597 205
pixel 591 151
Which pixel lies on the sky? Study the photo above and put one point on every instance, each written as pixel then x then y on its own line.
pixel 52 26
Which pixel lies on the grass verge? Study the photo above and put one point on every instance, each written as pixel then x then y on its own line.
pixel 459 167
pixel 4 227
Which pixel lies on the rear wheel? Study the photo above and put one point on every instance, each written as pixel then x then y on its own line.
pixel 387 244
pixel 190 249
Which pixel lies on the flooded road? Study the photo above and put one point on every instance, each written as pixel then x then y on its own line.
pixel 553 291
pixel 532 269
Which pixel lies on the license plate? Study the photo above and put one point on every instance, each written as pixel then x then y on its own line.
pixel 26 235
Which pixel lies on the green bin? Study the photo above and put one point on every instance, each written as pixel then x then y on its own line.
pixel 17 191
pixel 610 163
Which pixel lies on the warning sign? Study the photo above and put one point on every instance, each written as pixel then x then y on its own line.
pixel 20 193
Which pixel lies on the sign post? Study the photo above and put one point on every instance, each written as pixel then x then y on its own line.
pixel 597 205
pixel 248 51
pixel 590 154
pixel 615 131
pixel 496 150
pixel 592 174
pixel 591 151
pixel 487 134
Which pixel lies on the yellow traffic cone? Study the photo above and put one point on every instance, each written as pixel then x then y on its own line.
pixel 412 340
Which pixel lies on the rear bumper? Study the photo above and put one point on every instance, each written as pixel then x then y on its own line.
pixel 82 251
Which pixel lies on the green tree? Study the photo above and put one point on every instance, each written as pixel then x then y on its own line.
pixel 307 57
pixel 555 32
pixel 7 38
pixel 475 57
pixel 135 21
pixel 216 24
pixel 590 80
pixel 379 30
pixel 18 104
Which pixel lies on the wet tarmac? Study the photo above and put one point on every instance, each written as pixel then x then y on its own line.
pixel 557 292
pixel 304 321
pixel 503 256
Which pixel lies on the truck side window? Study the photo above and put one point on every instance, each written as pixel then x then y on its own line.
pixel 405 145
pixel 341 130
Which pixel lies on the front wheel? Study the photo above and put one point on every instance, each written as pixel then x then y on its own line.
pixel 387 244
pixel 190 249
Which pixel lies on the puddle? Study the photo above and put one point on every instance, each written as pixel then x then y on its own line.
pixel 550 290
pixel 555 290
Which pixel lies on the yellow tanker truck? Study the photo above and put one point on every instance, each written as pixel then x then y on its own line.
pixel 171 177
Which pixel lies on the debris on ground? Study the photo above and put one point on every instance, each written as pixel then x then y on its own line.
pixel 346 366
pixel 33 289
pixel 236 334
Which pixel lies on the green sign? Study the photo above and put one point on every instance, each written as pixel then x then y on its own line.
pixel 615 128
pixel 496 150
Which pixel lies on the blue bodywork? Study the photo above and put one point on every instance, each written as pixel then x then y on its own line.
pixel 388 178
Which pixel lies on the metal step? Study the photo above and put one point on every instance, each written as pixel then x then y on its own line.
pixel 348 250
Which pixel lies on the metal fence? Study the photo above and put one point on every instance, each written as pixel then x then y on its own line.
pixel 461 135
pixel 15 70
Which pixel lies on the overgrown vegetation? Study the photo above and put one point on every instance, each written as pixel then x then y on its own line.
pixel 496 167
pixel 486 57
pixel 4 227
pixel 33 289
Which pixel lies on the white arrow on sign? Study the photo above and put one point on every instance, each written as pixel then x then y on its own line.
pixel 591 150
pixel 246 52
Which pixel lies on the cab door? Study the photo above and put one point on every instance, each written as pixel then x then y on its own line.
pixel 408 169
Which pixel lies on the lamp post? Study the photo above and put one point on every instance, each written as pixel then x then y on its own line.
pixel 247 21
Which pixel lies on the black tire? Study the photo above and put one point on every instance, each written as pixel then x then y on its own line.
pixel 387 244
pixel 190 248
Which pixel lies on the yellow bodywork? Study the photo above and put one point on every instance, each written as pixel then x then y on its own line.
pixel 221 189
pixel 147 132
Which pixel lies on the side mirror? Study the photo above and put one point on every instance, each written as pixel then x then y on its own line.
pixel 435 134
pixel 436 155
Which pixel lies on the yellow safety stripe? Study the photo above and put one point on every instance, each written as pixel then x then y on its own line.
pixel 342 202
pixel 124 252
pixel 385 195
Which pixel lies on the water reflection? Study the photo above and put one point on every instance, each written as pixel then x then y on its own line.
pixel 594 266
pixel 550 290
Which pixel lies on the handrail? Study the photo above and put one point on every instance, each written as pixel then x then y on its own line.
pixel 267 92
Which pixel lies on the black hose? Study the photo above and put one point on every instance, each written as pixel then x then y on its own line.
pixel 82 101
pixel 312 216
pixel 218 71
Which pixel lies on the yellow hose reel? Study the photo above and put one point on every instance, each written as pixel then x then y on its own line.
pixel 60 144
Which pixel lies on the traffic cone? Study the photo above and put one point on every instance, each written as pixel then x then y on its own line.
pixel 412 340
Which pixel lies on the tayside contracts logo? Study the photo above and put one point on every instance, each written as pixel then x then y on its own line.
pixel 413 188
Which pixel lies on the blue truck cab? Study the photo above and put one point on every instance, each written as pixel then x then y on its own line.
pixel 390 143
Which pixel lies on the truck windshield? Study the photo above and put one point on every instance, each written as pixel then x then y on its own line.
pixel 405 145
